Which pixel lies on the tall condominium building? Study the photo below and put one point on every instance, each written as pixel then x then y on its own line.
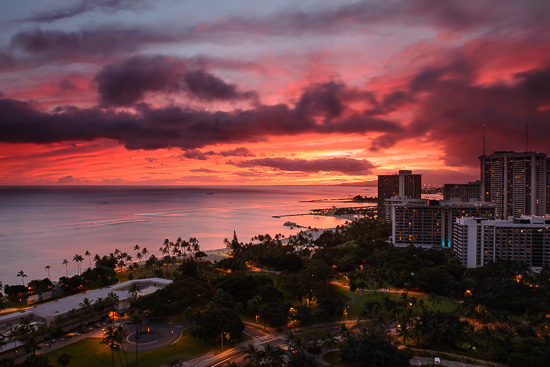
pixel 464 192
pixel 548 186
pixel 515 182
pixel 405 184
pixel 429 224
pixel 477 241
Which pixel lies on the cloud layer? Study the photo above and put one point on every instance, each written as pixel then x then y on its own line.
pixel 272 90
pixel 347 166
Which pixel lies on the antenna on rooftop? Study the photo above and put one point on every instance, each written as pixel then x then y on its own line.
pixel 483 139
pixel 526 136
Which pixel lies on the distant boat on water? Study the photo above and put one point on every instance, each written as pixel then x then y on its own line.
pixel 210 193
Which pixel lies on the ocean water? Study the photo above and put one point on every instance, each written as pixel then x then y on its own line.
pixel 41 226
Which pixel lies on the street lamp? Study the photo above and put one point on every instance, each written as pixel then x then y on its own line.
pixel 172 337
pixel 223 336
pixel 346 314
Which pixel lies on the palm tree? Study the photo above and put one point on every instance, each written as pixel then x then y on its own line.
pixel 22 274
pixel 404 330
pixel 87 306
pixel 193 245
pixel 64 359
pixel 120 266
pixel 165 248
pixel 47 267
pixel 361 284
pixel 152 262
pixel 66 262
pixel 272 356
pixel 134 290
pixel 121 336
pixel 433 299
pixel 26 332
pixel 252 355
pixel 111 299
pixel 114 338
pixel 109 338
pixel 87 253
pixel 72 315
pixel 78 259
pixel 136 320
pixel 2 341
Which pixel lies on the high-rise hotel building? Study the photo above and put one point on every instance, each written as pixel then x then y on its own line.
pixel 464 192
pixel 516 182
pixel 429 223
pixel 405 185
pixel 480 241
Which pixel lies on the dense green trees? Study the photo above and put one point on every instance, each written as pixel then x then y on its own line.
pixel 220 319
pixel 176 297
pixel 372 347
pixel 493 298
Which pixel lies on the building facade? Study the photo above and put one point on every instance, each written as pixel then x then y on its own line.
pixel 478 241
pixel 405 184
pixel 464 192
pixel 515 182
pixel 429 224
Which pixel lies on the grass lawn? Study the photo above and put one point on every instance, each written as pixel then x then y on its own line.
pixel 11 304
pixel 90 352
pixel 334 357
pixel 354 310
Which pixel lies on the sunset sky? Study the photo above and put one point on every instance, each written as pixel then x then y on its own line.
pixel 267 92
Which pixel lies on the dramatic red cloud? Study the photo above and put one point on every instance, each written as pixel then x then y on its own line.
pixel 323 94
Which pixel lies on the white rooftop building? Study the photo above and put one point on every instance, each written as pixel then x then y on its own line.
pixel 48 312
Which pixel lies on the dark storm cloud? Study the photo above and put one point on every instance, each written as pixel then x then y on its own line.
pixel 172 126
pixel 454 109
pixel 194 154
pixel 105 43
pixel 237 152
pixel 346 166
pixel 82 7
pixel 125 83
pixel 322 99
pixel 209 87
pixel 536 83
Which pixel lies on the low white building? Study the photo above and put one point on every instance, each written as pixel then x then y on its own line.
pixel 48 312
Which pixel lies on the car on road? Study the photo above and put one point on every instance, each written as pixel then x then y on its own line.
pixel 437 360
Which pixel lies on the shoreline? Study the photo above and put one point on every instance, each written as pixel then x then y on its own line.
pixel 110 221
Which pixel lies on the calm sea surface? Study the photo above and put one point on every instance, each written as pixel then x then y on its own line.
pixel 43 225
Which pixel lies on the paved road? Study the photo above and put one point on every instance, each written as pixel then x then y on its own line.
pixel 419 361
